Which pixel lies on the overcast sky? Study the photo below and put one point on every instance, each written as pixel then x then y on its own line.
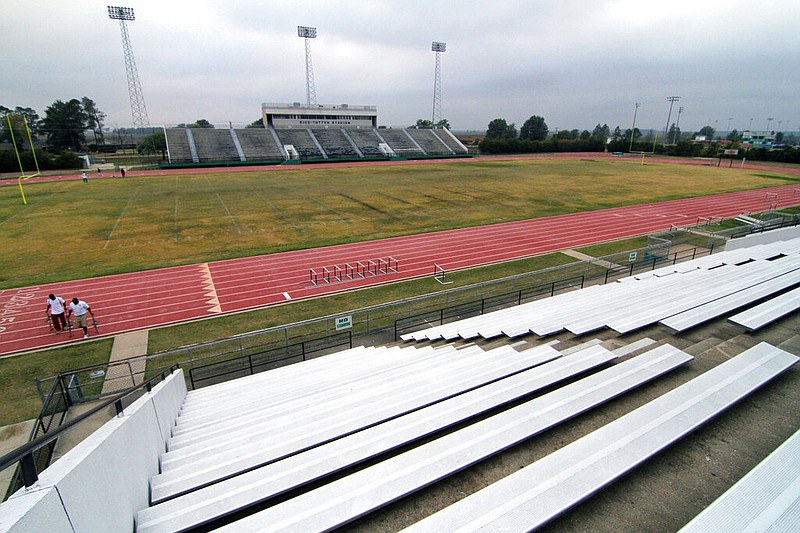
pixel 576 63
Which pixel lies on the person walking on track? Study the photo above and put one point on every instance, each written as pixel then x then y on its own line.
pixel 55 312
pixel 79 308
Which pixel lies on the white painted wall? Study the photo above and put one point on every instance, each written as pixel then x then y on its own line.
pixel 101 483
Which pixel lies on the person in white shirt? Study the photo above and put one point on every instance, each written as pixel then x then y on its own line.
pixel 55 311
pixel 79 308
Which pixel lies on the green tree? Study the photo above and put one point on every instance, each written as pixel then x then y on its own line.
pixel 96 118
pixel 707 132
pixel 258 123
pixel 601 133
pixel 500 129
pixel 19 116
pixel 443 124
pixel 155 142
pixel 673 135
pixel 534 129
pixel 201 123
pixel 64 123
pixel 423 124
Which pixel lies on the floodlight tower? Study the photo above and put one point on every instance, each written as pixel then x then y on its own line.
pixel 672 100
pixel 138 109
pixel 437 82
pixel 633 128
pixel 308 33
pixel 677 125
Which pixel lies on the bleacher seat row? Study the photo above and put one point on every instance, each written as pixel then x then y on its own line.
pixel 679 297
pixel 200 145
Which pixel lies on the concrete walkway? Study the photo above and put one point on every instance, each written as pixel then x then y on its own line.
pixel 127 361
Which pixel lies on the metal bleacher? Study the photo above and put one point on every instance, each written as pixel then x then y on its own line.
pixel 534 495
pixel 679 297
pixel 302 140
pixel 214 145
pixel 409 471
pixel 748 507
pixel 429 141
pixel 335 143
pixel 367 142
pixel 209 145
pixel 401 142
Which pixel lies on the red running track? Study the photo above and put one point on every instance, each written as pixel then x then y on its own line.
pixel 152 298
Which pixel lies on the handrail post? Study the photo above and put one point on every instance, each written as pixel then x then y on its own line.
pixel 118 407
pixel 28 468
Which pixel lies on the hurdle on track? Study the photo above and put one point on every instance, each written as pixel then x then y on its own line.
pixel 348 271
pixel 440 275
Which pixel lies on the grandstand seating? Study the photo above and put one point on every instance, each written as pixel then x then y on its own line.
pixel 214 145
pixel 679 297
pixel 178 145
pixel 335 143
pixel 532 496
pixel 367 142
pixel 748 507
pixel 302 140
pixel 258 145
pixel 401 142
pixel 200 145
pixel 431 143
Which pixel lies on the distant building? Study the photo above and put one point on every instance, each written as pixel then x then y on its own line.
pixel 299 115
pixel 758 139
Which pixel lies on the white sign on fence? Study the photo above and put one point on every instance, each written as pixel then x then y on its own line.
pixel 344 322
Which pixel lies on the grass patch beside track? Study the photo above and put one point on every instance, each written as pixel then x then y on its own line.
pixel 18 397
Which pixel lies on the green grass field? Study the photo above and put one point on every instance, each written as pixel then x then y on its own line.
pixel 72 230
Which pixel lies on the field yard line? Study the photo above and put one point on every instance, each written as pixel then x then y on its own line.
pixel 121 214
pixel 233 220
pixel 275 208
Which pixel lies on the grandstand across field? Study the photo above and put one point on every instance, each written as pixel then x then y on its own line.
pixel 308 133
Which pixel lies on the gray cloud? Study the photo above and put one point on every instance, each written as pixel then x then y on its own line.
pixel 576 63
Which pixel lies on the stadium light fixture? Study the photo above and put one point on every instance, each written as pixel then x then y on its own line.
pixel 438 47
pixel 307 32
pixel 121 13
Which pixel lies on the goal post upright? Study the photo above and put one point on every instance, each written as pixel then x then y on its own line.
pixel 19 157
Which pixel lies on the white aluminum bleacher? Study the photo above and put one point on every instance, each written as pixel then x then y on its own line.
pixel 733 301
pixel 350 497
pixel 232 495
pixel 636 302
pixel 534 495
pixel 370 403
pixel 759 316
pixel 766 499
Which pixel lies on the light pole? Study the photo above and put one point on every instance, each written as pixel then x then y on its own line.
pixel 309 33
pixel 138 109
pixel 671 100
pixel 436 116
pixel 769 122
pixel 677 125
pixel 633 127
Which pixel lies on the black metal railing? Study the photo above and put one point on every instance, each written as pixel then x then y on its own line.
pixel 37 454
pixel 258 359
pixel 485 305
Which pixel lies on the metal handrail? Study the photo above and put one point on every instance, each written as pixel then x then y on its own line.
pixel 24 454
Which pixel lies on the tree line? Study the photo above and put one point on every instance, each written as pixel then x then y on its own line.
pixel 62 132
pixel 535 137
